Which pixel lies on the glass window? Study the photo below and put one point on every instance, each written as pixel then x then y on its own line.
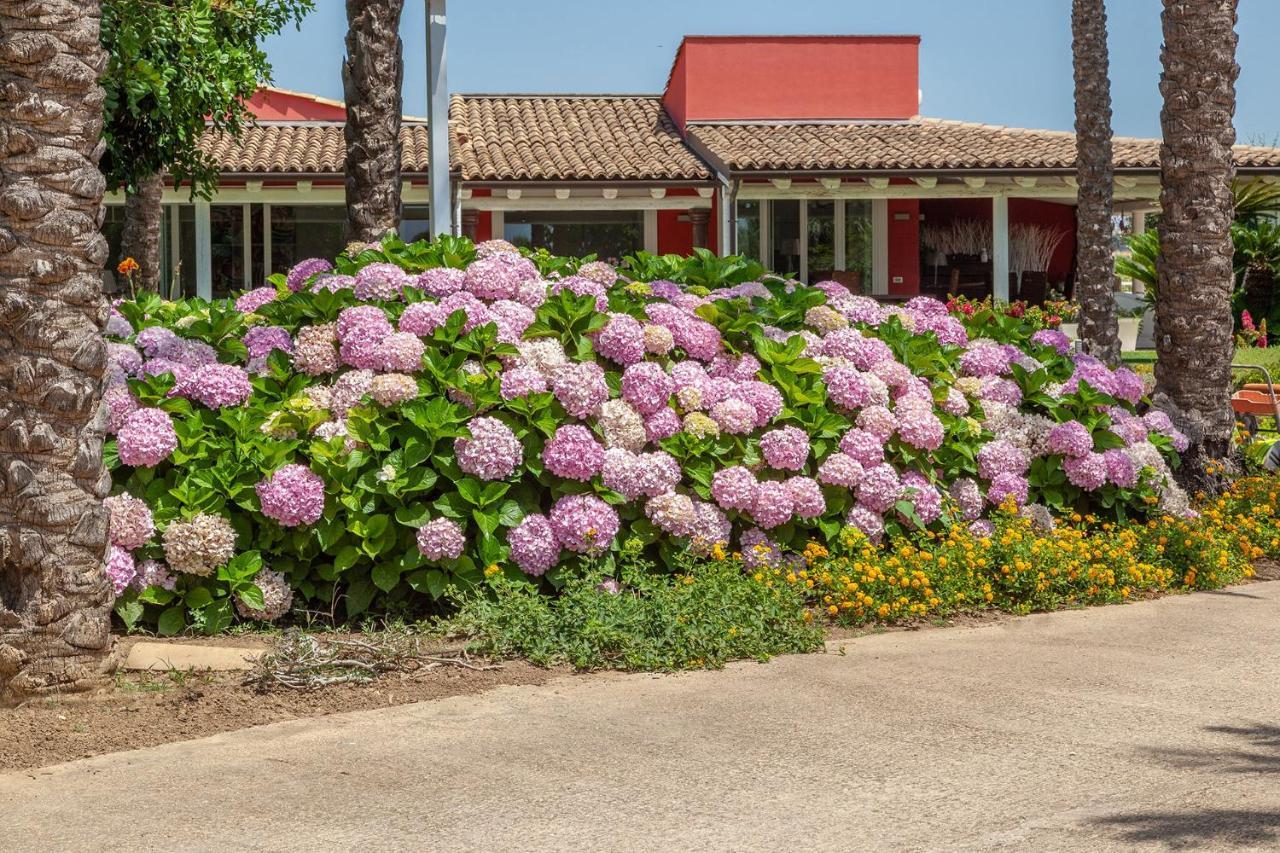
pixel 784 227
pixel 305 231
pixel 749 229
pixel 226 250
pixel 857 240
pixel 415 223
pixel 821 238
pixel 608 234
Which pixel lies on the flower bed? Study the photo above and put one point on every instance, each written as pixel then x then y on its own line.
pixel 370 432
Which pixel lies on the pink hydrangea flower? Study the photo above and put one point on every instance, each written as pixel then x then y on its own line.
pixel 441 539
pixel 773 504
pixel 533 543
pixel 146 438
pixel 440 282
pixel 736 417
pixel 1088 471
pixel 499 276
pixel 879 488
pixel 918 426
pixel 491 453
pixel 120 403
pixel 316 350
pixel 863 447
pixel 840 469
pixel 216 385
pixel 580 388
pixel 647 387
pixel 129 523
pixel 673 513
pixel 622 340
pixel 293 495
pixel 584 523
pixel 573 452
pixel 1071 438
pixel 1008 485
pixel 380 281
pixel 121 569
pixel 734 488
pixel 807 500
pixel 662 424
pixel 786 449
pixel 520 382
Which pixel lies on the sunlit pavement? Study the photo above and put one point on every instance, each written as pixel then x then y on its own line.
pixel 1153 725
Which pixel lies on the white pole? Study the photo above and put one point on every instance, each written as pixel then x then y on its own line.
pixel 438 121
pixel 879 246
pixel 204 251
pixel 1000 247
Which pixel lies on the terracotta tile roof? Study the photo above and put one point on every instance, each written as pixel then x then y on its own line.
pixel 302 147
pixel 568 138
pixel 921 144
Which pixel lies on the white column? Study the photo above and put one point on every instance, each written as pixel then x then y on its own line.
pixel 651 231
pixel 766 234
pixel 804 240
pixel 246 237
pixel 1139 221
pixel 1000 247
pixel 438 121
pixel 498 224
pixel 204 251
pixel 726 219
pixel 266 241
pixel 879 246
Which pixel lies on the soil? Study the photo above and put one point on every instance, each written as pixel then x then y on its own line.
pixel 146 709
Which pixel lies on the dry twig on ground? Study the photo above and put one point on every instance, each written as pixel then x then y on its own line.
pixel 309 662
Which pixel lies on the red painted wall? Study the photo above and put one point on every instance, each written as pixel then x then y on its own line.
pixel 1060 216
pixel 276 105
pixel 739 78
pixel 675 231
pixel 904 245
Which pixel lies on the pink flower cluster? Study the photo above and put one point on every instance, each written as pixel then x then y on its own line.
pixel 293 496
pixel 491 453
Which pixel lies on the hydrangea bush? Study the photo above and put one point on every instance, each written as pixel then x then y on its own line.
pixel 372 431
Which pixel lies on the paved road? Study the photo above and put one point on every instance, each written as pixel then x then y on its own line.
pixel 1155 725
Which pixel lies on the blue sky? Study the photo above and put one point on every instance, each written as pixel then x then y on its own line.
pixel 996 61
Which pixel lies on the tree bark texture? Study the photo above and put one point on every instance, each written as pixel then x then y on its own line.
pixel 55 600
pixel 1195 344
pixel 1095 268
pixel 371 77
pixel 140 240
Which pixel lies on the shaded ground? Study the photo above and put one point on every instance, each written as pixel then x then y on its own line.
pixel 1149 726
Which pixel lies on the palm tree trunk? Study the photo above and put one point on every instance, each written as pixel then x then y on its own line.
pixel 1195 276
pixel 140 239
pixel 55 600
pixel 1095 268
pixel 371 78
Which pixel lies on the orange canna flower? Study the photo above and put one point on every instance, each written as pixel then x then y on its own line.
pixel 127 266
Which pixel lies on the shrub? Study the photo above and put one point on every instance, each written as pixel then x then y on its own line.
pixel 705 614
pixel 325 431
pixel 1028 562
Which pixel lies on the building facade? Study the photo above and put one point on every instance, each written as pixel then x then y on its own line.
pixel 807 152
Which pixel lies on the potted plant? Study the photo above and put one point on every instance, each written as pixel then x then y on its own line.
pixel 1129 323
pixel 1067 313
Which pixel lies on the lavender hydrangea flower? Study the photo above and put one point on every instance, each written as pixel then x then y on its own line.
pixel 216 385
pixel 491 453
pixel 584 523
pixel 361 333
pixel 146 438
pixel 121 403
pixel 1008 485
pixel 924 496
pixel 292 496
pixel 985 358
pixel 1002 457
pixel 302 272
pixel 879 488
pixel 863 447
pixel 499 276
pixel 621 340
pixel 918 426
pixel 968 497
pixel 153 573
pixel 121 569
pixel 533 543
pixel 867 520
pixel 662 424
pixel 574 453
pixel 1052 338
pixel 254 299
pixel 1121 469
pixel 441 539
pixel 261 341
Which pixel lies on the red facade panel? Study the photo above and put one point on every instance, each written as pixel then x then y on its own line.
pixel 793 78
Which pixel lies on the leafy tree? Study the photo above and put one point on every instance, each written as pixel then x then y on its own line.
pixel 177 69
